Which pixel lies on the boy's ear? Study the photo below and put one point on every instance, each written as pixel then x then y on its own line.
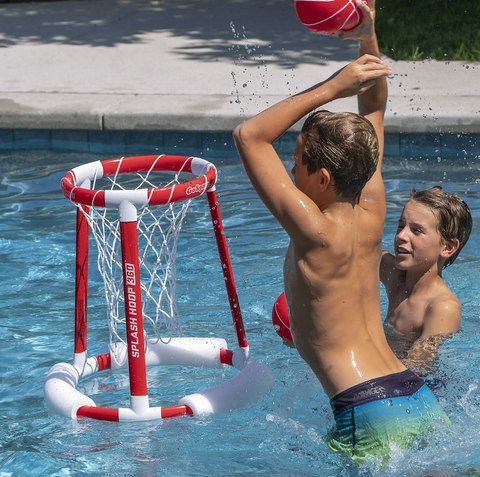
pixel 324 179
pixel 449 248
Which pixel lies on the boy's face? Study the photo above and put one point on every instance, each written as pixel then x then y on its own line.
pixel 417 241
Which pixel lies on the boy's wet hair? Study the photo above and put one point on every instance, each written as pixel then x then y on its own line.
pixel 345 144
pixel 453 214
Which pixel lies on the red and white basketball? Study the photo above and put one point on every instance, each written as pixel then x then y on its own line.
pixel 280 319
pixel 327 16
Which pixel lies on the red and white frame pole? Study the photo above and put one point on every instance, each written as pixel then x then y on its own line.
pixel 133 307
pixel 227 268
pixel 81 287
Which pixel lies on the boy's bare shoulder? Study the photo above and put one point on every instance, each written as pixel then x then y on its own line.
pixel 443 315
pixel 445 301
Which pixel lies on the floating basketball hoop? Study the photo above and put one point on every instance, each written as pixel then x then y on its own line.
pixel 136 225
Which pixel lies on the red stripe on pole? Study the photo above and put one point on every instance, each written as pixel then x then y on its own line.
pixel 226 357
pixel 173 411
pixel 100 413
pixel 227 269
pixel 104 361
pixel 81 282
pixel 133 309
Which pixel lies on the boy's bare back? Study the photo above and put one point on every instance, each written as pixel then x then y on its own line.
pixel 331 287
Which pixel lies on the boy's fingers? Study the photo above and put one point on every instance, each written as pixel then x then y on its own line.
pixel 370 59
pixel 377 66
pixel 381 72
pixel 365 7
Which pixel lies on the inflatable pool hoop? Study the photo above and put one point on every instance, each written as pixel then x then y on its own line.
pixel 252 381
pixel 134 353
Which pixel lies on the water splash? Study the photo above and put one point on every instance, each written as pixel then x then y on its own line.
pixel 243 51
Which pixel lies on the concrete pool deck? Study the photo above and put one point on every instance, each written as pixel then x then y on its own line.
pixel 195 65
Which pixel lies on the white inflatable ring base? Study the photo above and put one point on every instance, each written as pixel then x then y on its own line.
pixel 252 381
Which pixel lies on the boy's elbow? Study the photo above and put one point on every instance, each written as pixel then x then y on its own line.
pixel 240 136
pixel 237 132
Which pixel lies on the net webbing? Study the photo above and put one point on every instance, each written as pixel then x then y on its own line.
pixel 158 230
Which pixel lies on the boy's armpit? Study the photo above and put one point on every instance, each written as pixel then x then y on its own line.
pixel 387 267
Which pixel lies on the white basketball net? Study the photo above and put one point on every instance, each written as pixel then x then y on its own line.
pixel 158 229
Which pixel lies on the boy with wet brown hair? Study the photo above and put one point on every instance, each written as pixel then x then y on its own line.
pixel 334 214
pixel 432 230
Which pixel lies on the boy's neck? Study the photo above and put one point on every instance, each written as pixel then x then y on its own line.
pixel 418 282
pixel 329 201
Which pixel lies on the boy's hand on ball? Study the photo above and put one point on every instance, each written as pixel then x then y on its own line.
pixel 358 76
pixel 366 28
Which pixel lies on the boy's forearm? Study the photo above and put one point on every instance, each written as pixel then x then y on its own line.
pixel 369 46
pixel 375 99
pixel 270 124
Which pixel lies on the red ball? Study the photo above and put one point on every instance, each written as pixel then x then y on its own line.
pixel 327 16
pixel 280 319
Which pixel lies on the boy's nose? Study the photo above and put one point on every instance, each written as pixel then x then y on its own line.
pixel 401 233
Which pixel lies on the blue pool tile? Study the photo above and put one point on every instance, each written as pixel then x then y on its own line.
pixel 286 143
pixel 31 139
pixel 70 140
pixel 6 139
pixel 392 145
pixel 218 145
pixel 460 145
pixel 183 143
pixel 106 142
pixel 420 145
pixel 144 142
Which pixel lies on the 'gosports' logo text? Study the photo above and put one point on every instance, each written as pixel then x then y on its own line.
pixel 199 188
pixel 131 300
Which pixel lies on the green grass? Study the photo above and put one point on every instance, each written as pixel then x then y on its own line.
pixel 419 29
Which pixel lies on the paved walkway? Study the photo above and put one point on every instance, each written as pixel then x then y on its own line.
pixel 201 65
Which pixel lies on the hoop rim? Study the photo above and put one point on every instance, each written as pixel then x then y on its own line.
pixel 76 183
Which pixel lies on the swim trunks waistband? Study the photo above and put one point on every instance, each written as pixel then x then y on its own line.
pixel 404 383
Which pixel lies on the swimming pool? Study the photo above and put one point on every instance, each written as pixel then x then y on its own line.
pixel 284 432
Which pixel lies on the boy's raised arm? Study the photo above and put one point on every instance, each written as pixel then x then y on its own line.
pixel 254 139
pixel 372 103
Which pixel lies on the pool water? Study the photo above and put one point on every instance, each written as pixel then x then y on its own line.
pixel 284 432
